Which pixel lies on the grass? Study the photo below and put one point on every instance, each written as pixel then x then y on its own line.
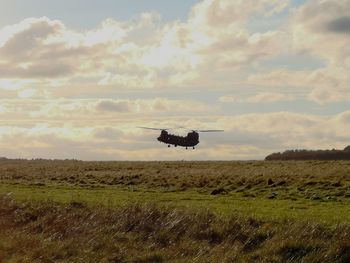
pixel 302 211
pixel 325 212
pixel 181 175
pixel 75 232
pixel 309 179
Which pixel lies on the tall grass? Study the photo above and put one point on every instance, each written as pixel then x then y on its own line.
pixel 75 232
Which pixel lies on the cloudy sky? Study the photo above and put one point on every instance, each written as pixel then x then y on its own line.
pixel 77 77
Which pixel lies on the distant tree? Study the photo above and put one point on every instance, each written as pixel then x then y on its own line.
pixel 311 155
pixel 347 148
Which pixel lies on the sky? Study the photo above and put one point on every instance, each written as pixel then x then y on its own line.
pixel 78 77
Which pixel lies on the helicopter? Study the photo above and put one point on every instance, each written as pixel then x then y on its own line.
pixel 190 140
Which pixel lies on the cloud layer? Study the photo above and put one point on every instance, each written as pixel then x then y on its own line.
pixel 70 93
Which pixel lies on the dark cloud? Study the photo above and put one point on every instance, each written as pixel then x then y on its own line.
pixel 41 70
pixel 28 54
pixel 107 134
pixel 114 106
pixel 242 138
pixel 23 43
pixel 27 47
pixel 340 25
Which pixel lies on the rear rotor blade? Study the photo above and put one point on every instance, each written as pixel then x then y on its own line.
pixel 209 130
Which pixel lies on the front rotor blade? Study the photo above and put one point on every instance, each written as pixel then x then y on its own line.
pixel 182 127
pixel 150 128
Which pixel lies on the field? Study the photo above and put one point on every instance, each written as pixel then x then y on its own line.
pixel 254 211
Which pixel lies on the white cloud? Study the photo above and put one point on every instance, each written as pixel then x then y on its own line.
pixel 261 97
pixel 31 107
pixel 267 97
pixel 229 98
pixel 318 29
pixel 315 28
pixel 168 54
pixel 330 84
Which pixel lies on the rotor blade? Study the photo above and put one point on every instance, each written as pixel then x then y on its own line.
pixel 182 127
pixel 149 128
pixel 209 130
pixel 200 130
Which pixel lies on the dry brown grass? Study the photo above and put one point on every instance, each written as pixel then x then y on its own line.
pixel 194 174
pixel 52 232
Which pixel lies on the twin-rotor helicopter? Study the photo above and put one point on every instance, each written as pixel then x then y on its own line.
pixel 190 140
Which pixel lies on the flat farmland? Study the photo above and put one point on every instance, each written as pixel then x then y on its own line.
pixel 273 210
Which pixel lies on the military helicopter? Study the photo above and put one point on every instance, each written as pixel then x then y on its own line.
pixel 191 140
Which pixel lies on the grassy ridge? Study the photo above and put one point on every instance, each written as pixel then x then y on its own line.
pixel 74 232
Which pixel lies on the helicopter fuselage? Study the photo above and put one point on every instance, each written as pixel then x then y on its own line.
pixel 191 140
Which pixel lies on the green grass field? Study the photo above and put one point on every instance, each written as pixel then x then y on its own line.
pixel 325 212
pixel 282 196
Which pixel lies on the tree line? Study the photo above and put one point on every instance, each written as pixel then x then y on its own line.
pixel 311 155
